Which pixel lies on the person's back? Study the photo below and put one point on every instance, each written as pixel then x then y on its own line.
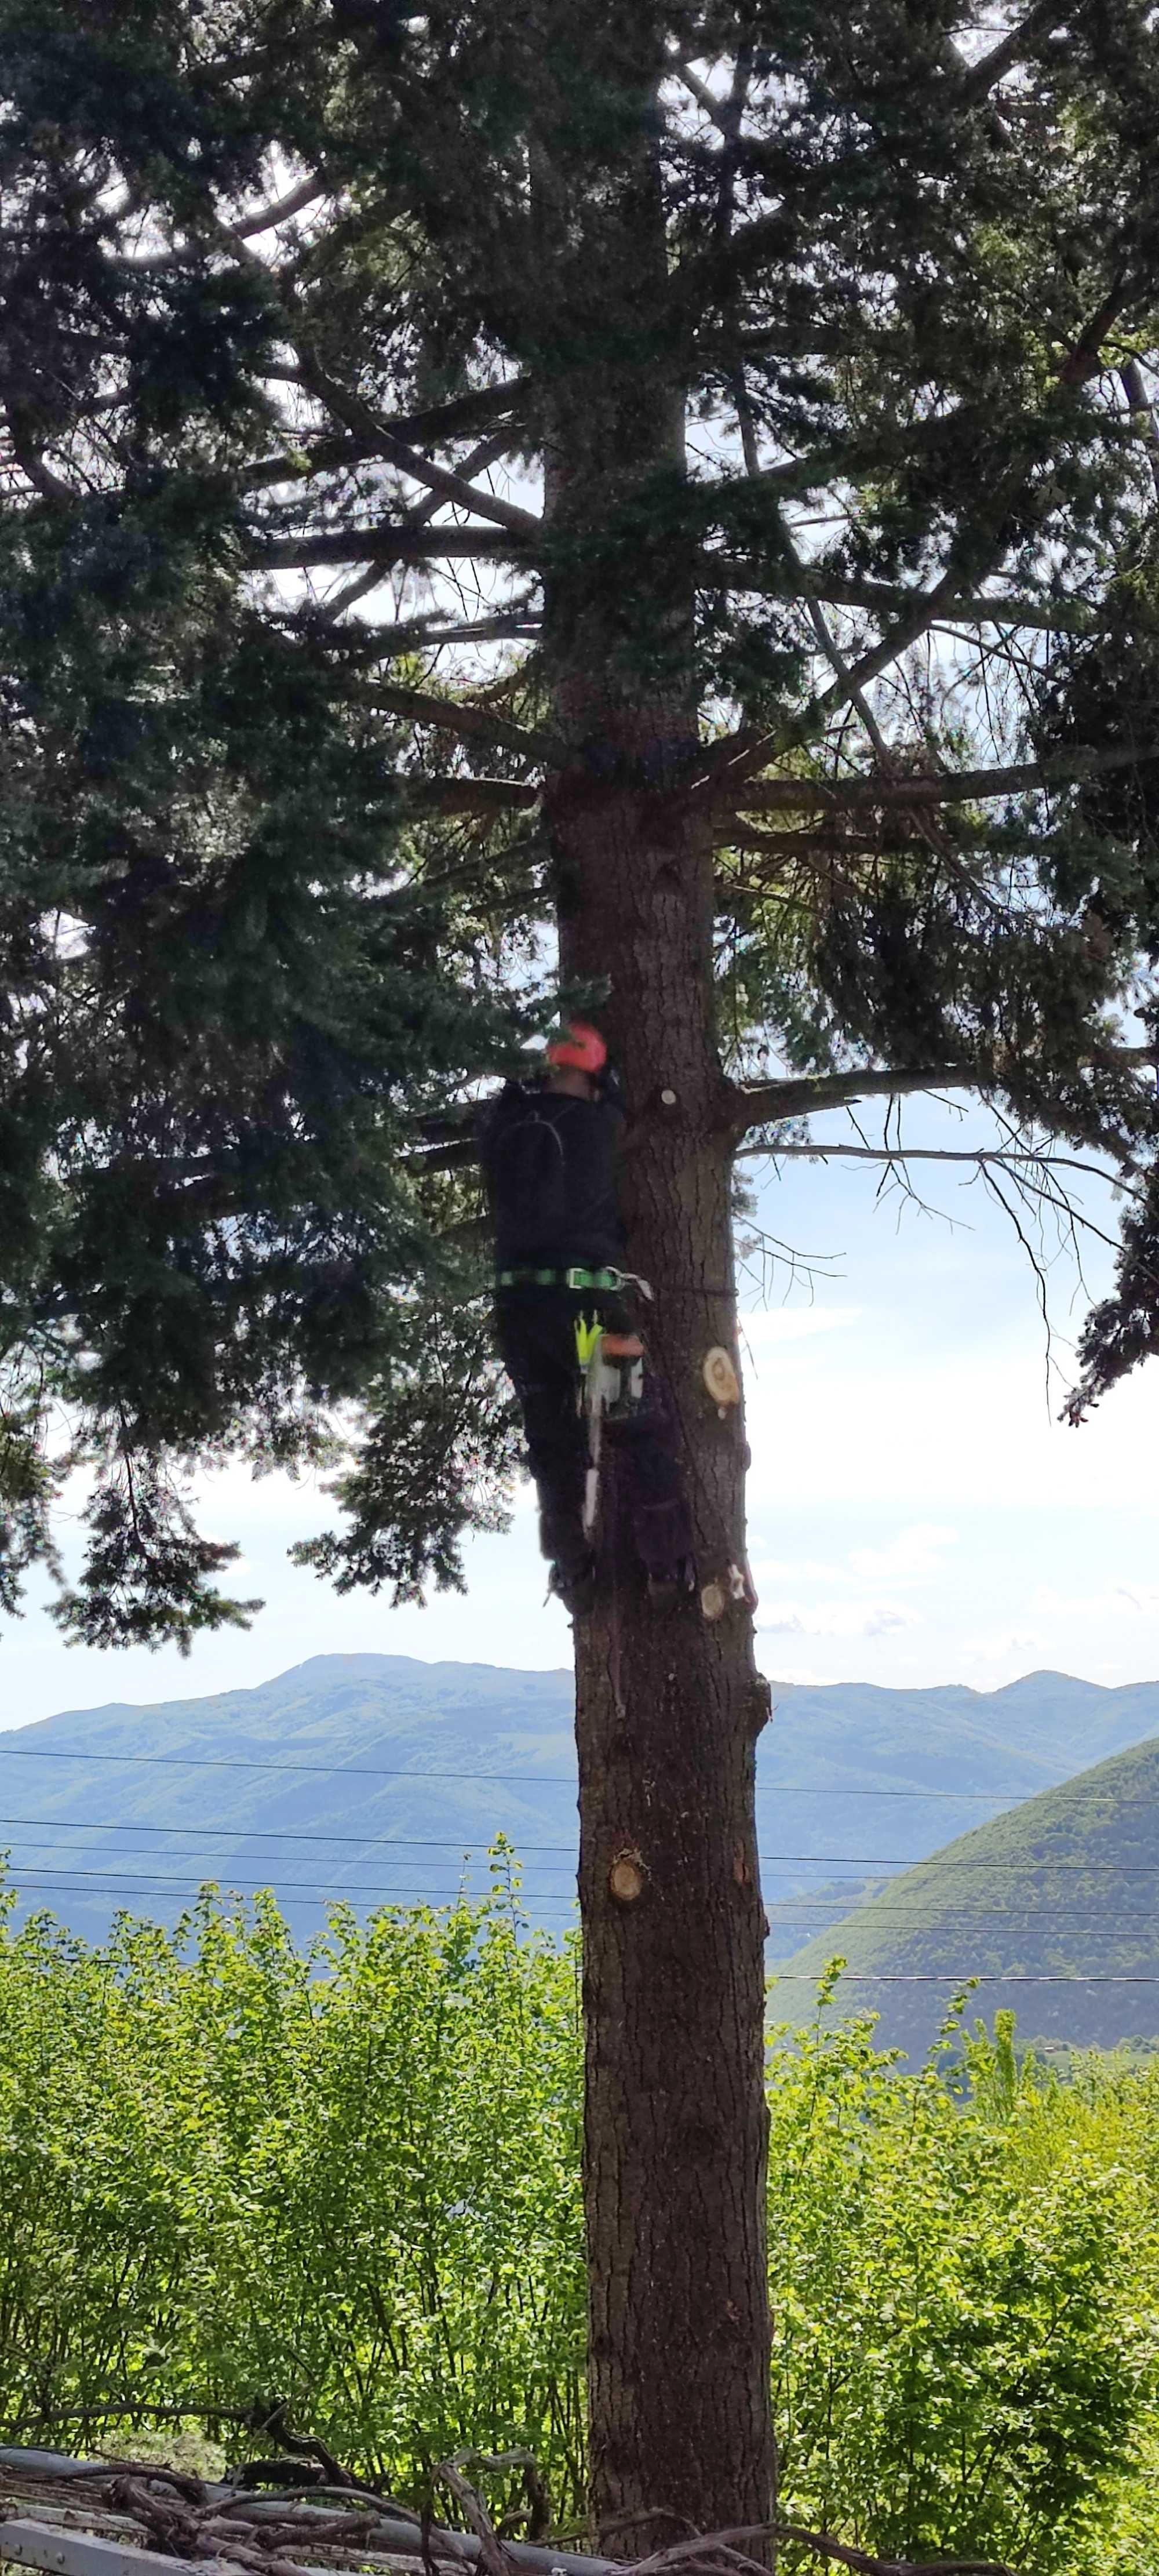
pixel 549 1152
pixel 549 1160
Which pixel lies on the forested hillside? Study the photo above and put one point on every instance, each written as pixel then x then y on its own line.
pixel 370 1776
pixel 1054 1905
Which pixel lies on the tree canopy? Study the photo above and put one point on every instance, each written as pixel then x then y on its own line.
pixel 295 606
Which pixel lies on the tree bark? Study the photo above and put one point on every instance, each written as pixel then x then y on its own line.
pixel 668 1708
pixel 667 1714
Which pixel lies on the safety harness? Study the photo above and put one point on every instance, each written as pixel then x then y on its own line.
pixel 610 1280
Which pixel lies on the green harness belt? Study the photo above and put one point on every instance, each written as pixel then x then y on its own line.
pixel 609 1279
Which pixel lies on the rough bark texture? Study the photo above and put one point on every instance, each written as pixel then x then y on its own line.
pixel 667 1709
pixel 667 1714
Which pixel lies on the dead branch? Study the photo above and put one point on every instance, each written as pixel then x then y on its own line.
pixel 1008 1157
pixel 188 2520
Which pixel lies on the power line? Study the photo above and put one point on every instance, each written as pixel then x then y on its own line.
pixel 310 1887
pixel 339 1771
pixel 413 1897
pixel 868 1864
pixel 472 1856
pixel 962 1977
pixel 951 1977
pixel 267 1834
pixel 85 1881
pixel 336 1771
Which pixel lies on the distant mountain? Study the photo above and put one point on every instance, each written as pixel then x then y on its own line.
pixel 1055 1906
pixel 368 1777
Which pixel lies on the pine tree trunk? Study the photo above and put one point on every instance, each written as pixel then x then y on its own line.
pixel 668 1708
pixel 667 1714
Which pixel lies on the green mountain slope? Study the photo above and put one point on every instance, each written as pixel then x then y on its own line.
pixel 370 1776
pixel 1054 1905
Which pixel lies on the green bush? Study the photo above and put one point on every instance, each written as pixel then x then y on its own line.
pixel 350 2178
pixel 964 2280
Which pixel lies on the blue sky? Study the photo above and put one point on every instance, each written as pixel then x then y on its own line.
pixel 917 1512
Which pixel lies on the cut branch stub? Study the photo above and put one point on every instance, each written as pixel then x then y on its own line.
pixel 720 1377
pixel 628 1876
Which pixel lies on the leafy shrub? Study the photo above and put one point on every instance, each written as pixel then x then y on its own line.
pixel 964 2283
pixel 349 2178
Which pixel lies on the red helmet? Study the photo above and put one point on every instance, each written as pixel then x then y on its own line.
pixel 580 1045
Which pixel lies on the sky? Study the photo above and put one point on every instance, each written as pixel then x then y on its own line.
pixel 918 1514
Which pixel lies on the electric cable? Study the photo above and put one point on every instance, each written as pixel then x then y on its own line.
pixel 338 1771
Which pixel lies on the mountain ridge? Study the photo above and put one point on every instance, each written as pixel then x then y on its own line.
pixel 1054 1905
pixel 237 1785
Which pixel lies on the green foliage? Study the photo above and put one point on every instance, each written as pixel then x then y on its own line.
pixel 230 2169
pixel 908 313
pixel 441 1447
pixel 147 1576
pixel 349 2177
pixel 963 2357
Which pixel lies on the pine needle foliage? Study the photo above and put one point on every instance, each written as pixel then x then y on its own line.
pixel 294 295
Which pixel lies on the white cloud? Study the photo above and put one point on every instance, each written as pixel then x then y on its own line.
pixel 834 1619
pixel 1008 1646
pixel 912 1553
pixel 865 1418
pixel 766 1328
pixel 1143 1599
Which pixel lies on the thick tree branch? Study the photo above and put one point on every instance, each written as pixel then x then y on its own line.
pixel 268 218
pixel 420 634
pixel 454 487
pixel 984 75
pixel 766 1104
pixel 1142 412
pixel 882 598
pixel 361 418
pixel 391 541
pixel 474 723
pixel 368 579
pixel 454 419
pixel 299 464
pixel 485 796
pixel 964 786
pixel 715 109
pixel 458 418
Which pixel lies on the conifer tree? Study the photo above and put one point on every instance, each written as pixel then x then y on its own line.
pixel 678 481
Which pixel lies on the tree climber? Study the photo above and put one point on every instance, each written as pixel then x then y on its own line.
pixel 549 1149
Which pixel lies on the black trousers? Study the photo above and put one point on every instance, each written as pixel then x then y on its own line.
pixel 535 1332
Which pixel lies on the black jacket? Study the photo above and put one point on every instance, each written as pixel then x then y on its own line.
pixel 549 1162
